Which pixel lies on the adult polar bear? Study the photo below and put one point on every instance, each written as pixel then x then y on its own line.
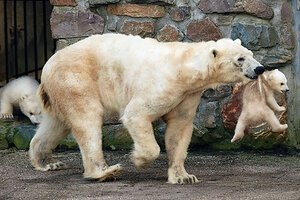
pixel 140 80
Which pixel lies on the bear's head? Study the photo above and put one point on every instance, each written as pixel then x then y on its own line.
pixel 234 61
pixel 30 106
pixel 277 80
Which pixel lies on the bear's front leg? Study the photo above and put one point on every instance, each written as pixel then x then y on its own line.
pixel 177 138
pixel 273 104
pixel 88 135
pixel 139 126
pixel 6 109
pixel 86 127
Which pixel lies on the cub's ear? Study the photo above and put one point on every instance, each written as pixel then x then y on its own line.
pixel 238 41
pixel 270 77
pixel 213 52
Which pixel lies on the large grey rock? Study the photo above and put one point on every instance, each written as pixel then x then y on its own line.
pixel 169 33
pixel 161 2
pixel 203 30
pixel 141 28
pixel 220 92
pixel 207 115
pixel 23 135
pixel 136 10
pixel 252 7
pixel 255 36
pixel 288 36
pixel 68 23
pixel 63 2
pixel 181 13
pixel 277 58
pixel 3 141
pixel 287 15
pixel 94 3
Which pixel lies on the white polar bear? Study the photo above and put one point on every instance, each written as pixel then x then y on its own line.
pixel 259 103
pixel 140 80
pixel 20 93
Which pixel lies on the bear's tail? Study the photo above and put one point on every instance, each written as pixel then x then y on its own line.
pixel 44 97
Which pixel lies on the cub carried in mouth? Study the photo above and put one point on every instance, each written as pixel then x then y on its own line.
pixel 20 93
pixel 259 103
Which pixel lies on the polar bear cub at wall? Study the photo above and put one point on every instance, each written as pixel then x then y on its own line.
pixel 259 102
pixel 139 80
pixel 20 93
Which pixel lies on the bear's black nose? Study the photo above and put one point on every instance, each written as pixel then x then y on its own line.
pixel 259 70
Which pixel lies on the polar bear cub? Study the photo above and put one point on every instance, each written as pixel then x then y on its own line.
pixel 259 102
pixel 20 93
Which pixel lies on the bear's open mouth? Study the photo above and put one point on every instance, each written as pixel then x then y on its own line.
pixel 251 77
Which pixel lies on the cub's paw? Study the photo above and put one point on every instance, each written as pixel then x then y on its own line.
pixel 6 116
pixel 189 179
pixel 280 128
pixel 284 126
pixel 52 166
pixel 281 108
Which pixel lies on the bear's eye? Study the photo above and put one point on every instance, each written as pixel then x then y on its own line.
pixel 281 83
pixel 30 113
pixel 241 59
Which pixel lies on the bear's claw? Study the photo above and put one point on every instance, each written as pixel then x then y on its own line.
pixel 6 116
pixel 190 179
pixel 52 167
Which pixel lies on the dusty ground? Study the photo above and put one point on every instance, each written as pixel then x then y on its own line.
pixel 222 175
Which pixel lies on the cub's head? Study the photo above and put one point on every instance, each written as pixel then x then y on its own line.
pixel 277 80
pixel 30 107
pixel 234 61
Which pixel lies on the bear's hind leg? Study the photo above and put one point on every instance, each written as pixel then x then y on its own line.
pixel 49 133
pixel 87 130
pixel 239 129
pixel 272 120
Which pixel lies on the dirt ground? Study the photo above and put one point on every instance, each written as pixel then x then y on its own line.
pixel 222 175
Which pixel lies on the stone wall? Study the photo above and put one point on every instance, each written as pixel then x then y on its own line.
pixel 264 26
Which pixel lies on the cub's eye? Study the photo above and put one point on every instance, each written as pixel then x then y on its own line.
pixel 31 113
pixel 241 59
pixel 281 83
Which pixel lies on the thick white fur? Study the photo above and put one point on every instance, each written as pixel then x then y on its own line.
pixel 140 80
pixel 21 93
pixel 259 103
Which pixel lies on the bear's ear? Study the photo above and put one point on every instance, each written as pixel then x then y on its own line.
pixel 238 41
pixel 24 97
pixel 213 52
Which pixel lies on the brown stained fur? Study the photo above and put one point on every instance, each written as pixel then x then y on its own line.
pixel 44 97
